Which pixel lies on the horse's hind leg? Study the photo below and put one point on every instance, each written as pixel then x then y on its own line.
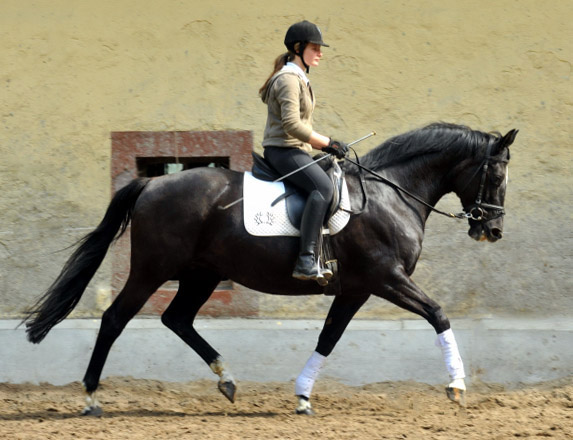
pixel 194 290
pixel 115 318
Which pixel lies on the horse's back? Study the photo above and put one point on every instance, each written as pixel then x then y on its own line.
pixel 200 187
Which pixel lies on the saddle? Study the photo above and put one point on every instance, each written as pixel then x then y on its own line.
pixel 294 198
pixel 295 201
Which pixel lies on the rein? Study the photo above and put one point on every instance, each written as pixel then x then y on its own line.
pixel 399 188
pixel 474 212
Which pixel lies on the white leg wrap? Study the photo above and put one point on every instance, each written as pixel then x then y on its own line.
pixel 447 342
pixel 305 381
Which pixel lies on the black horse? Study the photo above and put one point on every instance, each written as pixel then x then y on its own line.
pixel 179 232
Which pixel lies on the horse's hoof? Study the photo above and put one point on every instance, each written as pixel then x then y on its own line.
pixel 304 408
pixel 456 395
pixel 305 412
pixel 92 411
pixel 228 389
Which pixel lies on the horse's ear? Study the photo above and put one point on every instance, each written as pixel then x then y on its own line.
pixel 504 142
pixel 508 139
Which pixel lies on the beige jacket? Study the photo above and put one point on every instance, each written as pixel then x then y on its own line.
pixel 290 104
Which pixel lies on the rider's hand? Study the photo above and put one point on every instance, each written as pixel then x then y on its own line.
pixel 336 148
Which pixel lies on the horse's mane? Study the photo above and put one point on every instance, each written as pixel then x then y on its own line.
pixel 437 138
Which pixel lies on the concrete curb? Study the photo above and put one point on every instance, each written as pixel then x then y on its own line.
pixel 506 351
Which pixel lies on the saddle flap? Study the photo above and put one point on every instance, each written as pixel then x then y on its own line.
pixel 295 203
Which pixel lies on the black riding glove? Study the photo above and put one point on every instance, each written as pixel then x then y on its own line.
pixel 336 148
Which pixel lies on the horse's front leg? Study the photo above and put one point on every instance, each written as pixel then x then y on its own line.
pixel 457 388
pixel 403 292
pixel 341 312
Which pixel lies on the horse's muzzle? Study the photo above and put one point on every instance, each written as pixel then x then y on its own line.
pixel 483 231
pixel 496 234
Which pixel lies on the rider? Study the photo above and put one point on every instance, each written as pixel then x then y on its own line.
pixel 289 138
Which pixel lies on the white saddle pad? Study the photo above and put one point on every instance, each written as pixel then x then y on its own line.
pixel 264 220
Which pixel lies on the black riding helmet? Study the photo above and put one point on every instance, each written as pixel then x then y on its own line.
pixel 303 32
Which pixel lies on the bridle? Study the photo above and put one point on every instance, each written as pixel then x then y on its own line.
pixel 478 211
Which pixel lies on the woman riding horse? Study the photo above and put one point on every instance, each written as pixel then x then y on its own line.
pixel 178 233
pixel 289 137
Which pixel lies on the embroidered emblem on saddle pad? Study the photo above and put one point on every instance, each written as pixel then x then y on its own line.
pixel 265 216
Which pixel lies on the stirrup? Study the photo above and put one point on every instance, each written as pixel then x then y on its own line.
pixel 321 278
pixel 326 273
pixel 307 272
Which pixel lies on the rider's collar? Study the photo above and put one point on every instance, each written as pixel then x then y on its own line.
pixel 292 67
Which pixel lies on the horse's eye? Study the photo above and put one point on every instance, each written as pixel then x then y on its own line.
pixel 496 179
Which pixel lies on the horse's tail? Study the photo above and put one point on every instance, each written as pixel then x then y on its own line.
pixel 64 294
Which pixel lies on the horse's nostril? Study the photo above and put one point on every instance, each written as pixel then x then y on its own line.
pixel 497 233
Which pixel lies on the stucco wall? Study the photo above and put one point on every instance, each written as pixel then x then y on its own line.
pixel 73 72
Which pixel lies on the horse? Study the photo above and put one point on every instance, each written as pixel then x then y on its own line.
pixel 179 232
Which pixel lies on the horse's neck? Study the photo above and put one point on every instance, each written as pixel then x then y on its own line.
pixel 427 180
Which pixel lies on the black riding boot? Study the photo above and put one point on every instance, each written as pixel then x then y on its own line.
pixel 306 267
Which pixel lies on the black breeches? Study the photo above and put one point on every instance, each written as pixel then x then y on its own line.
pixel 312 178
